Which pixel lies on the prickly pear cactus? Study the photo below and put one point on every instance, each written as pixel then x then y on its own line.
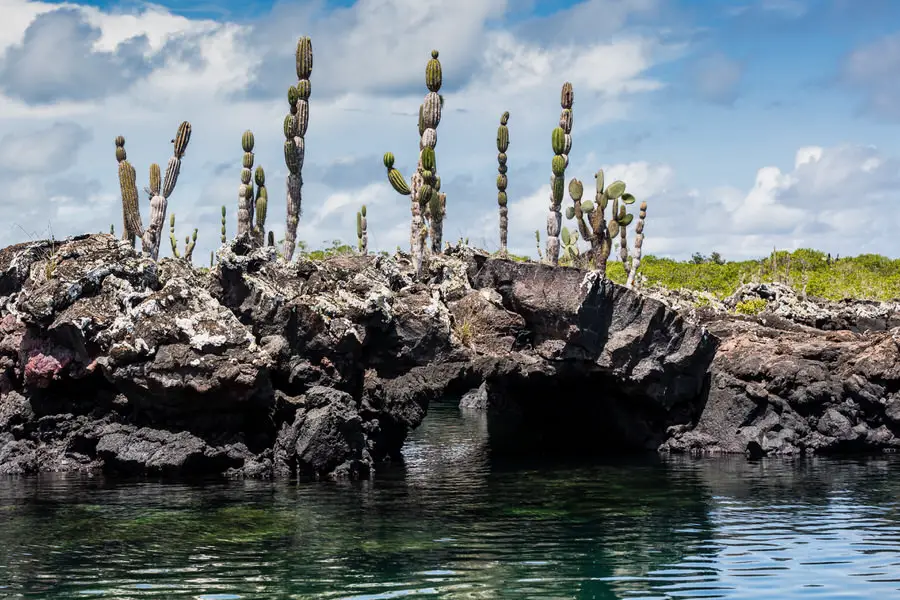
pixel 295 126
pixel 561 142
pixel 424 187
pixel 502 200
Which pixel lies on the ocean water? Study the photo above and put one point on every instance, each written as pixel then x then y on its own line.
pixel 457 522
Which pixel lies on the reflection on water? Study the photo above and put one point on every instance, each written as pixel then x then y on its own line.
pixel 456 524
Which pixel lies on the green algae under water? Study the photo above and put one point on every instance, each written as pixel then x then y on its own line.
pixel 455 523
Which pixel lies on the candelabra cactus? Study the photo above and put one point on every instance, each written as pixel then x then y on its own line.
pixel 189 241
pixel 591 217
pixel 561 140
pixel 245 189
pixel 638 242
pixel 159 194
pixel 362 230
pixel 502 146
pixel 424 185
pixel 295 125
pixel 261 205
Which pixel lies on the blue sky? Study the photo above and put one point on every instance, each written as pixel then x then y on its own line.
pixel 745 125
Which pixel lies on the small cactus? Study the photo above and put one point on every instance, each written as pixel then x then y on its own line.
pixel 189 241
pixel 224 238
pixel 295 126
pixel 502 146
pixel 262 203
pixel 537 239
pixel 362 230
pixel 638 243
pixel 561 142
pixel 570 251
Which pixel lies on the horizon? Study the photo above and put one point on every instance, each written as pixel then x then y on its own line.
pixel 746 126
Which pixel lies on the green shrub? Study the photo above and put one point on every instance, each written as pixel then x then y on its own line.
pixel 753 306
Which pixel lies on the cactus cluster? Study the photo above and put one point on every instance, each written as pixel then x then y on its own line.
pixel 295 125
pixel 561 141
pixel 424 189
pixel 250 204
pixel 189 242
pixel 159 190
pixel 362 233
pixel 502 146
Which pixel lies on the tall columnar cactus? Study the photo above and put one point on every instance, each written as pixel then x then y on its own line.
pixel 362 230
pixel 537 239
pixel 591 217
pixel 638 243
pixel 502 146
pixel 561 140
pixel 224 238
pixel 295 125
pixel 424 185
pixel 245 189
pixel 262 204
pixel 189 241
pixel 271 238
pixel 159 194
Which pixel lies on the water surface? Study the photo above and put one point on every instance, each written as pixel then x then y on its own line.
pixel 455 523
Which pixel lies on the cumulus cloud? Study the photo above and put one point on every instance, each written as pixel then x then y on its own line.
pixel 50 150
pixel 56 61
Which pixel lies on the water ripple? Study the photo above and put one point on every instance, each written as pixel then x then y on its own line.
pixel 456 522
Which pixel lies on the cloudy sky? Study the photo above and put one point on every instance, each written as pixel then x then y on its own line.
pixel 745 124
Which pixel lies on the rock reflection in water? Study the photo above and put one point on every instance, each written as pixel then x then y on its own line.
pixel 456 522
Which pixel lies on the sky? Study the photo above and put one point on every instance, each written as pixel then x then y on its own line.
pixel 745 125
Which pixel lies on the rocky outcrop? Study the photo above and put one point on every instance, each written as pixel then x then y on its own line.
pixel 779 386
pixel 317 369
pixel 256 368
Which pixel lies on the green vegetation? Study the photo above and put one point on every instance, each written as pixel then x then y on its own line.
pixel 809 272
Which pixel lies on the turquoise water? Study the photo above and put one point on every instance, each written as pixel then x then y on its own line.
pixel 455 523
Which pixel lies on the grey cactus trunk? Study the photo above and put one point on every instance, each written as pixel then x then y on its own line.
pixel 561 141
pixel 295 126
